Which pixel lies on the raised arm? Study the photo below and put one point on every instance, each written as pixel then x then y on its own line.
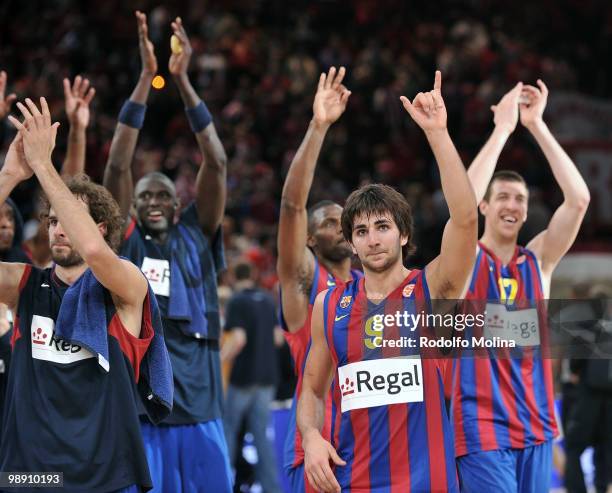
pixel 118 173
pixel 14 170
pixel 295 261
pixel 551 244
pixel 120 277
pixel 211 186
pixel 318 375
pixel 506 114
pixel 76 99
pixel 448 272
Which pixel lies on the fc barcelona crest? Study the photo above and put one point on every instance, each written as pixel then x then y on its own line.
pixel 345 301
pixel 408 289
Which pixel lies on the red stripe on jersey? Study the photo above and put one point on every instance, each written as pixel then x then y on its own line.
pixel 482 374
pixel 134 348
pixel 360 420
pixel 435 437
pixel 515 426
pixel 24 277
pixel 399 453
pixel 130 229
pixel 16 335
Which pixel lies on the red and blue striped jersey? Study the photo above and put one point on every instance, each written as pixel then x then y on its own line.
pixel 299 344
pixel 389 420
pixel 502 399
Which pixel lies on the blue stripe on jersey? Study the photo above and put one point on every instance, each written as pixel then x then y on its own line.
pixel 469 410
pixel 499 409
pixel 521 395
pixel 380 463
pixel 315 283
pixel 418 445
pixel 451 470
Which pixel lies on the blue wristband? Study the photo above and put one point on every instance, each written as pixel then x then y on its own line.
pixel 199 117
pixel 132 114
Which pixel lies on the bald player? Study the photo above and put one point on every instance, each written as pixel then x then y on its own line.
pixel 188 453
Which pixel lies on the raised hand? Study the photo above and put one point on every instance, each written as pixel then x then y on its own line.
pixel 38 133
pixel 77 99
pixel 532 110
pixel 427 109
pixel 331 97
pixel 147 52
pixel 5 102
pixel 179 59
pixel 15 163
pixel 506 112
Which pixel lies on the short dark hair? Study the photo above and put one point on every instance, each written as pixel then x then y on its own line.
pixel 380 200
pixel 314 208
pixel 242 271
pixel 102 207
pixel 503 175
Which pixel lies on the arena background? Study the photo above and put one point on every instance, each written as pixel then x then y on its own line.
pixel 256 63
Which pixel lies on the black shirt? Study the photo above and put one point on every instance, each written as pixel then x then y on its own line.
pixel 63 413
pixel 254 311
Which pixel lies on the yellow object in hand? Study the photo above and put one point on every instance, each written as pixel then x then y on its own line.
pixel 175 44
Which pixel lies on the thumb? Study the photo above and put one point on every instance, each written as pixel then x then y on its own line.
pixel 54 128
pixel 335 457
pixel 10 98
pixel 407 104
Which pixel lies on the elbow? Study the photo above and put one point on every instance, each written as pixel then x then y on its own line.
pixel 467 219
pixel 582 203
pixel 291 206
pixel 95 252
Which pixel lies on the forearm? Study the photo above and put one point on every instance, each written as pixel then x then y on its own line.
pixel 482 168
pixel 456 186
pixel 7 184
pixel 310 412
pixel 575 190
pixel 301 172
pixel 118 174
pixel 74 163
pixel 75 219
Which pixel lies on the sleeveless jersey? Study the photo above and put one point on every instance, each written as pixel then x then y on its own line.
pixel 504 399
pixel 390 423
pixel 299 345
pixel 63 413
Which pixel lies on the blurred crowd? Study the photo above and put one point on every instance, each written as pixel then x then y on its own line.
pixel 256 64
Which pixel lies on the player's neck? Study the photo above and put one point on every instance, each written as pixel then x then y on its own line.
pixel 379 285
pixel 503 248
pixel 340 270
pixel 69 275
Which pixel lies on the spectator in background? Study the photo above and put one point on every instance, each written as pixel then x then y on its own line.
pixel 251 322
pixel 589 421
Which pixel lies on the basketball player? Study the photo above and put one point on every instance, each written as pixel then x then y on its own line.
pixel 502 408
pixel 181 260
pixel 391 431
pixel 82 333
pixel 312 253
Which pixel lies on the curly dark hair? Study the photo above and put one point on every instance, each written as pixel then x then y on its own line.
pixel 379 199
pixel 102 207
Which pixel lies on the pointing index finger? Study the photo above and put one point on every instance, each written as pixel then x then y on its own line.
pixel 438 81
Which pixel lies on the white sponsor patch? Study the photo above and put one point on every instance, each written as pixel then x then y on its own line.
pixel 520 326
pixel 380 382
pixel 48 347
pixel 157 272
